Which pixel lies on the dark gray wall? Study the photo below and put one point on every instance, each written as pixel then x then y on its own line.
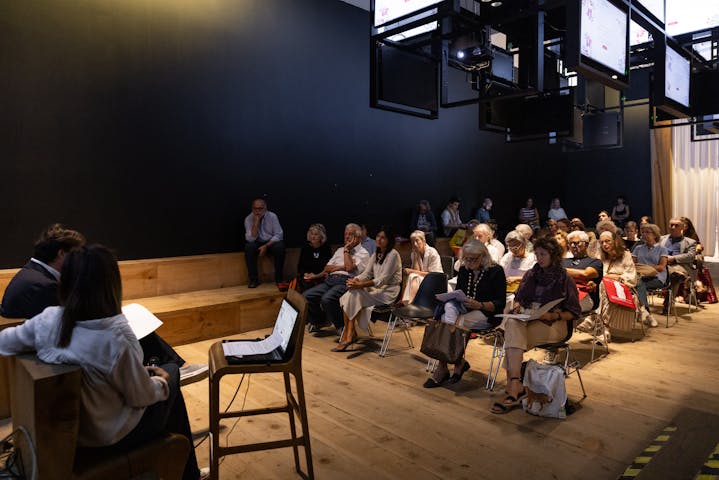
pixel 150 125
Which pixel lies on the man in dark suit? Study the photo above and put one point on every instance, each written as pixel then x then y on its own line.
pixel 34 288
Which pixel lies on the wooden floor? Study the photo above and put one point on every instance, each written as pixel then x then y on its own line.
pixel 370 417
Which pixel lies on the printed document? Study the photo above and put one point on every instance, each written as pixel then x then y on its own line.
pixel 529 314
pixel 142 321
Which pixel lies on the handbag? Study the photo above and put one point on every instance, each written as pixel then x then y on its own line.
pixel 546 392
pixel 618 293
pixel 443 341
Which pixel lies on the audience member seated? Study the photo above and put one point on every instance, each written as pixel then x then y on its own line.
pixel 576 224
pixel 630 235
pixel 483 283
pixel 367 242
pixel 651 266
pixel 529 214
pixel 484 234
pixel 556 212
pixel 602 216
pixel 617 264
pixel 323 300
pixel 682 251
pixel 645 219
pixel 552 226
pixel 704 285
pixel 517 261
pixel 564 225
pixel 528 234
pixel 450 217
pixel 35 287
pixel 424 259
pixel 378 284
pixel 263 234
pixel 462 236
pixel 586 272
pixel 561 238
pixel 499 246
pixel 602 226
pixel 314 255
pixel 620 212
pixel 545 282
pixel 122 405
pixel 483 213
pixel 424 221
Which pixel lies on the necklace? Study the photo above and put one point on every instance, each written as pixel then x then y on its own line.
pixel 474 283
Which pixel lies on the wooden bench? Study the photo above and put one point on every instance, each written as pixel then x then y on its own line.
pixel 46 403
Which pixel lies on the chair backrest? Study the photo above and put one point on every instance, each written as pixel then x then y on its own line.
pixel 432 284
pixel 298 301
pixel 447 265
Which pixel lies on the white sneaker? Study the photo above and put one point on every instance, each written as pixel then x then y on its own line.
pixel 550 358
pixel 587 326
pixel 649 320
pixel 204 473
pixel 193 372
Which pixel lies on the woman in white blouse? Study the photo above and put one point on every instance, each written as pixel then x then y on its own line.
pixel 424 259
pixel 517 261
pixel 379 284
pixel 619 266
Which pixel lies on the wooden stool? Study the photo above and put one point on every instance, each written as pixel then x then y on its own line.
pixel 295 406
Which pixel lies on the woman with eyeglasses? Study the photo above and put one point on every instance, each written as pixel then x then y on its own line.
pixel 618 265
pixel 517 261
pixel 483 282
pixel 423 259
pixel 545 282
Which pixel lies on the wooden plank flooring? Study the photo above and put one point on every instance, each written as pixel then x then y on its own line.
pixel 370 417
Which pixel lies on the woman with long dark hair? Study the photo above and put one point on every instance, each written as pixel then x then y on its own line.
pixel 123 402
pixel 379 284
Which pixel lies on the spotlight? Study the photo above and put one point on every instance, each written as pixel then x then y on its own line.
pixel 496 4
pixel 460 54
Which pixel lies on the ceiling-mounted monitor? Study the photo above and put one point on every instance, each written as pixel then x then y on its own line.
pixel 672 79
pixel 684 16
pixel 638 35
pixel 387 11
pixel 653 7
pixel 598 41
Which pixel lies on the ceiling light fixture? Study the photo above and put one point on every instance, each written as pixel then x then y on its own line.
pixel 496 4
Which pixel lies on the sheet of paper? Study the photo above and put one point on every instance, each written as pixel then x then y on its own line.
pixel 532 314
pixel 243 348
pixel 453 295
pixel 142 321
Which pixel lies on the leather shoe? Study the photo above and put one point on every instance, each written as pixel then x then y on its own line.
pixel 456 377
pixel 253 284
pixel 431 383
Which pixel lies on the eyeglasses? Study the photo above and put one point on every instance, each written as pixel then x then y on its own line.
pixel 674 225
pixel 471 259
pixel 514 248
pixel 574 244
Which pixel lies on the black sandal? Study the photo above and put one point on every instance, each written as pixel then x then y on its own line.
pixel 506 406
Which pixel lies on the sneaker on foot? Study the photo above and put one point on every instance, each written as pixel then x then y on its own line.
pixel 550 358
pixel 649 320
pixel 193 372
pixel 587 326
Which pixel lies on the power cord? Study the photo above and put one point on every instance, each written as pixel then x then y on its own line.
pixel 242 378
pixel 11 459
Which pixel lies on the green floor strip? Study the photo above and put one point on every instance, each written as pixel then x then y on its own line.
pixel 646 456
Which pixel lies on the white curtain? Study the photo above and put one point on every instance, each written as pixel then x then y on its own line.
pixel 695 182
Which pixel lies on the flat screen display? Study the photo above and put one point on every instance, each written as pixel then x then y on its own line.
pixel 655 7
pixel 685 16
pixel 677 74
pixel 603 36
pixel 387 10
pixel 638 35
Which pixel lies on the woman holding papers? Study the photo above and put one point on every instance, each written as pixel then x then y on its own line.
pixel 379 284
pixel 546 282
pixel 123 402
pixel 619 266
pixel 483 284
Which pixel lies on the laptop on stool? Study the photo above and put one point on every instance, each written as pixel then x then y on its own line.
pixel 272 349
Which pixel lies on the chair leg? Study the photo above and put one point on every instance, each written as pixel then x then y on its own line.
pixel 498 356
pixel 571 362
pixel 302 406
pixel 431 365
pixel 290 412
pixel 391 323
